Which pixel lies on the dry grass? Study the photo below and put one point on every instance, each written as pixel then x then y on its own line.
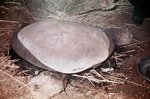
pixel 109 76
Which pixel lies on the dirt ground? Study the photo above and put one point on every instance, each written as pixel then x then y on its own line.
pixel 14 85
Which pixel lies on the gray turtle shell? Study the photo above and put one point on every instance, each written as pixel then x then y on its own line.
pixel 62 46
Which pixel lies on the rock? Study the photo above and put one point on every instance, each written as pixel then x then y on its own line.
pixel 62 46
pixel 46 85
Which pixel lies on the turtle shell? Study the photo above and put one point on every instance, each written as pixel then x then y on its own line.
pixel 62 46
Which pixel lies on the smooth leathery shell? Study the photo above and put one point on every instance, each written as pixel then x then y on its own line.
pixel 62 46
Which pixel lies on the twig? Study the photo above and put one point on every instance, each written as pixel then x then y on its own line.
pixel 97 74
pixel 115 57
pixel 25 85
pixel 90 78
pixel 134 83
pixel 3 80
pixel 119 59
pixel 141 48
pixel 140 41
pixel 136 43
pixel 5 8
pixel 16 67
pixel 2 55
pixel 125 80
pixel 8 21
pixel 130 51
pixel 4 59
pixel 8 43
pixel 109 63
pixel 12 3
pixel 14 78
pixel 10 31
pixel 4 28
pixel 2 34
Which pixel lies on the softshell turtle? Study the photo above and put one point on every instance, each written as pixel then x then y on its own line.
pixel 62 46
